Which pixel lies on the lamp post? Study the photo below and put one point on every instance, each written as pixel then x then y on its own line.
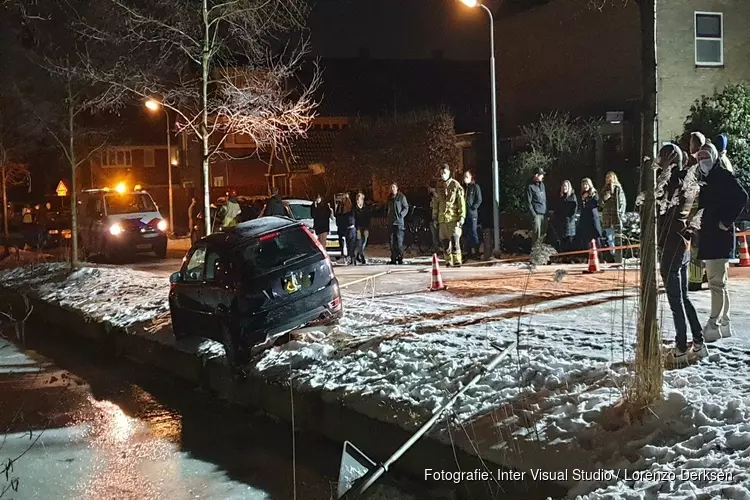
pixel 155 105
pixel 495 166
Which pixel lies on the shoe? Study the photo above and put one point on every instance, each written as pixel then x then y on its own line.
pixel 392 263
pixel 695 287
pixel 725 329
pixel 400 262
pixel 711 332
pixel 675 356
pixel 698 351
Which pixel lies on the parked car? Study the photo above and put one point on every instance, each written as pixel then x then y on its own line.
pixel 250 285
pixel 300 210
pixel 119 224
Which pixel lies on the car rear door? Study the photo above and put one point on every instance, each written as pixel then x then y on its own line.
pixel 217 291
pixel 186 295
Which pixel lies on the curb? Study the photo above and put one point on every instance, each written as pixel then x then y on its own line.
pixel 315 411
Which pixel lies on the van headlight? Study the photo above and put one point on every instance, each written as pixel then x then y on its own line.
pixel 115 229
pixel 162 225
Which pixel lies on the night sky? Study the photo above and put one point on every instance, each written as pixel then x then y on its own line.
pixel 399 29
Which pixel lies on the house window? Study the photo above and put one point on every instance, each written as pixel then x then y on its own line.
pixel 709 39
pixel 117 158
pixel 219 181
pixel 148 158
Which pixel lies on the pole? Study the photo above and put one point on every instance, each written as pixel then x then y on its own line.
pixel 495 164
pixel 169 171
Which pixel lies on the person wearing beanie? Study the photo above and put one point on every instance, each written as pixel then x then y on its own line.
pixel 722 143
pixel 674 234
pixel 722 199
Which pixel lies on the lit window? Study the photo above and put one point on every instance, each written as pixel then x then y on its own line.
pixel 219 181
pixel 709 39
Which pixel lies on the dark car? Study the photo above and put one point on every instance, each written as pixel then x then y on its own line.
pixel 248 286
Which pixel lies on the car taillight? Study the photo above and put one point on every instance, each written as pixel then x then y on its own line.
pixel 268 236
pixel 335 304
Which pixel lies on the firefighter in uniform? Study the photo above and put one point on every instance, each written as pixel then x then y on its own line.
pixel 449 210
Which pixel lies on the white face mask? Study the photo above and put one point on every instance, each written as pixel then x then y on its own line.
pixel 705 166
pixel 445 176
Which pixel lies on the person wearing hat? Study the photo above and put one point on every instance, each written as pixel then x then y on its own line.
pixel 721 142
pixel 536 193
pixel 722 199
pixel 231 210
pixel 674 234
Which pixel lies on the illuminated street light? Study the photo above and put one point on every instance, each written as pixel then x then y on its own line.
pixel 495 165
pixel 154 105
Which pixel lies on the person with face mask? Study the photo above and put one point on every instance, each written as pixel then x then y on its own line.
pixel 536 193
pixel 696 272
pixel 674 233
pixel 722 199
pixel 450 211
pixel 473 202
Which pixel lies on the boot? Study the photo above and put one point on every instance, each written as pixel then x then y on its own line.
pixel 457 259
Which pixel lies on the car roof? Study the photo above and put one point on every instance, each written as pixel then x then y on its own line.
pixel 249 230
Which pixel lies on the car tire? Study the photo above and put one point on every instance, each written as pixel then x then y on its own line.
pixel 234 345
pixel 161 250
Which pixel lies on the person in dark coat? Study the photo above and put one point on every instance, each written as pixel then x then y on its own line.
pixel 536 194
pixel 274 206
pixel 473 202
pixel 321 214
pixel 347 229
pixel 674 204
pixel 362 224
pixel 722 199
pixel 398 209
pixel 564 217
pixel 589 225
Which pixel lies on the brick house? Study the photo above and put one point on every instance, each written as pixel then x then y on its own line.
pixel 566 55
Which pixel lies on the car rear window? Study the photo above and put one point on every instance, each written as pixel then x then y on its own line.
pixel 276 251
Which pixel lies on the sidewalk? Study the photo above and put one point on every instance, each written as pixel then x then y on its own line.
pixel 400 351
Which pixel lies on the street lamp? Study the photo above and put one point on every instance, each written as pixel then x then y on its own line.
pixel 495 166
pixel 154 105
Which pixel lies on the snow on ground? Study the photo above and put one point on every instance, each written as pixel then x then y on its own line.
pixel 411 349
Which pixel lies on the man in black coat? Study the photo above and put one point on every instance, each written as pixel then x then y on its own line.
pixel 398 209
pixel 722 199
pixel 675 202
pixel 536 194
pixel 473 202
pixel 274 206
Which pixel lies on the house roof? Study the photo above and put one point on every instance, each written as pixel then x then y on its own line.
pixel 317 147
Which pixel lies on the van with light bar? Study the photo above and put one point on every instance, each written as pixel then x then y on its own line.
pixel 119 223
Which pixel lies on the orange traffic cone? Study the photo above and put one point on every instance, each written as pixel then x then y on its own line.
pixel 593 258
pixel 744 254
pixel 437 279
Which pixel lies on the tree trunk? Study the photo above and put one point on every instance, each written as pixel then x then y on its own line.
pixel 73 184
pixel 205 68
pixel 649 371
pixel 3 179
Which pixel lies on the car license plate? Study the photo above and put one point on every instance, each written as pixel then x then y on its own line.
pixel 331 244
pixel 143 246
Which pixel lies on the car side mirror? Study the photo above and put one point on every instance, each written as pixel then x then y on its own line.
pixel 175 277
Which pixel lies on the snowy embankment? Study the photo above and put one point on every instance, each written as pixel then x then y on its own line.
pixel 400 352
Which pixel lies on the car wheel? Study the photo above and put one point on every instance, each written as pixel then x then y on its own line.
pixel 161 250
pixel 234 345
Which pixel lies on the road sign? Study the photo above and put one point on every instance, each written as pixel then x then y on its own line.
pixel 62 189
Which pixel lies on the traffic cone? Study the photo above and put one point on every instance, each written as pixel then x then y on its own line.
pixel 593 258
pixel 437 279
pixel 744 254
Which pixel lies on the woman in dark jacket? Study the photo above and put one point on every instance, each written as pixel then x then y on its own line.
pixel 321 214
pixel 565 217
pixel 346 228
pixel 589 226
pixel 362 224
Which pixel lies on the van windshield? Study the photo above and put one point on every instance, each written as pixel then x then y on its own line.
pixel 272 253
pixel 129 203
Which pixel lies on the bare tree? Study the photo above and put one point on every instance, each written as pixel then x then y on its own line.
pixel 217 64
pixel 11 174
pixel 649 369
